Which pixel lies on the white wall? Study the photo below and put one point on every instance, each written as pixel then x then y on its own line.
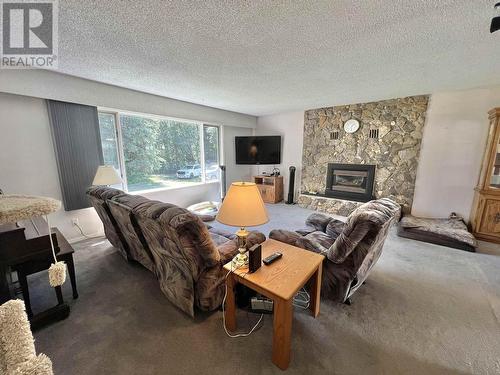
pixel 234 172
pixel 291 128
pixel 27 160
pixel 454 139
pixel 51 85
pixel 28 165
pixel 186 196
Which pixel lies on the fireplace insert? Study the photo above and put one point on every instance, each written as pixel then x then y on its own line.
pixel 350 181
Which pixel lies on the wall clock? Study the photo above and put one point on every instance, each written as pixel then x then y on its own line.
pixel 351 126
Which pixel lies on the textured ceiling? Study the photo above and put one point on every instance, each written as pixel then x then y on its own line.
pixel 263 57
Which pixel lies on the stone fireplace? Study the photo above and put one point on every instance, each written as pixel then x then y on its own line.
pixel 350 181
pixel 386 148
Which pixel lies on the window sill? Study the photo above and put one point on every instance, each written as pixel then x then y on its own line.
pixel 139 192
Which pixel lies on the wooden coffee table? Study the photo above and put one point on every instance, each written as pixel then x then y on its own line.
pixel 280 282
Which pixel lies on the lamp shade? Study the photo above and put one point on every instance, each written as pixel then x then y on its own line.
pixel 106 175
pixel 243 206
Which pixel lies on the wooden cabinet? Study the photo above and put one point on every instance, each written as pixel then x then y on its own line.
pixel 491 217
pixel 486 210
pixel 270 187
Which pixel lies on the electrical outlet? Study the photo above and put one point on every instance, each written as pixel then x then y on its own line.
pixel 75 221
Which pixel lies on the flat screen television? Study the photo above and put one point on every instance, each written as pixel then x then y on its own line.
pixel 258 150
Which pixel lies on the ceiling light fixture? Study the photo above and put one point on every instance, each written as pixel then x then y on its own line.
pixel 495 22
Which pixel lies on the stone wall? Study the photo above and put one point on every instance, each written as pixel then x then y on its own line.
pixel 395 153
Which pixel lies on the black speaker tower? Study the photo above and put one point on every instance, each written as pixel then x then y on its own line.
pixel 291 185
pixel 223 182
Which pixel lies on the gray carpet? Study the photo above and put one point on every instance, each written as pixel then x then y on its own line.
pixel 425 309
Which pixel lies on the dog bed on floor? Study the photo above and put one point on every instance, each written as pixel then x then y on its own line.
pixel 206 211
pixel 451 232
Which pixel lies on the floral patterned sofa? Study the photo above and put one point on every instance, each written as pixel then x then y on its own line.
pixel 351 248
pixel 185 254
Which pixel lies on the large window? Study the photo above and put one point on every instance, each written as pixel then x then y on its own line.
pixel 211 152
pixel 109 139
pixel 154 152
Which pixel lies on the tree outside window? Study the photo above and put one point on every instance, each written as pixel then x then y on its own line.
pixel 163 153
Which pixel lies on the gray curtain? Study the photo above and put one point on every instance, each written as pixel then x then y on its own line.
pixel 77 144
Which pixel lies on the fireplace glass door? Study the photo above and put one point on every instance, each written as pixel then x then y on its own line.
pixel 350 181
pixel 495 173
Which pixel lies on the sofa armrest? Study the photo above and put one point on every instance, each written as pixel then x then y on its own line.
pixel 346 243
pixel 229 249
pixel 295 239
pixel 194 232
pixel 334 228
pixel 318 221
pixel 254 238
pixel 285 236
pixel 223 233
pixel 311 245
pixel 305 230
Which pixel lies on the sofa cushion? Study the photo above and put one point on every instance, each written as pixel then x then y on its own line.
pixel 320 238
pixel 175 273
pixel 222 232
pixel 364 225
pixel 318 220
pixel 285 236
pixel 103 192
pixel 306 230
pixel 218 239
pixel 121 207
pixel 193 233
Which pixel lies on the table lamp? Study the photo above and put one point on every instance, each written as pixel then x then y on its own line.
pixel 242 207
pixel 107 175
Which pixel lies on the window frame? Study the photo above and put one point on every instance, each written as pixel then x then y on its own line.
pixel 119 145
pixel 121 154
pixel 219 149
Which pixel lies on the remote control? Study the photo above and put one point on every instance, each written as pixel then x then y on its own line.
pixel 271 258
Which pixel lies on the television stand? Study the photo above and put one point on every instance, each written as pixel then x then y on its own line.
pixel 270 187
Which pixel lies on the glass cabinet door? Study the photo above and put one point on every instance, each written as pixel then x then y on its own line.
pixel 495 172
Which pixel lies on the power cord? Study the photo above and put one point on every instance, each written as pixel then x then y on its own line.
pixel 302 299
pixel 83 234
pixel 224 314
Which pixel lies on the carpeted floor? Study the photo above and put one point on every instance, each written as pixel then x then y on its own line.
pixel 425 309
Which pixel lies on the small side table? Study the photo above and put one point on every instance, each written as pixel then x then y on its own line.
pixel 280 282
pixel 42 262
